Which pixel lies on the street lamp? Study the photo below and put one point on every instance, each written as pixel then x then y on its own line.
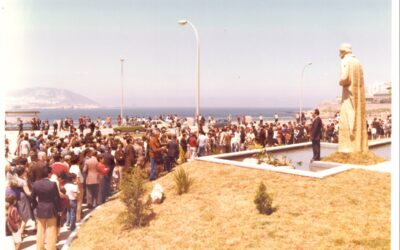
pixel 122 88
pixel 301 88
pixel 183 23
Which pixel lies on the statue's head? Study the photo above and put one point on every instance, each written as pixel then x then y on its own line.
pixel 345 48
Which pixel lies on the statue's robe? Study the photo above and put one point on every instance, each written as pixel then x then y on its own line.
pixel 353 135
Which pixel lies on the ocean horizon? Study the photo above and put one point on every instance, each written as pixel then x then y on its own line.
pixel 153 112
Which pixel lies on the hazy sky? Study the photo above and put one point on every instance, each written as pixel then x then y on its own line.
pixel 252 52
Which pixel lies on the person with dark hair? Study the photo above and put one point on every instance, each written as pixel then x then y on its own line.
pixel 184 144
pixel 155 151
pixel 92 179
pixel 103 173
pixel 58 167
pixel 109 161
pixel 47 197
pixel 172 153
pixel 13 221
pixel 72 191
pixel 192 141
pixel 24 147
pixel 36 168
pixel 81 127
pixel 316 134
pixel 130 159
pixel 98 132
pixel 23 204
pixel 92 126
pixel 74 169
pixel 120 161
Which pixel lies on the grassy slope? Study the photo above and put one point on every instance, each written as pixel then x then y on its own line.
pixel 349 210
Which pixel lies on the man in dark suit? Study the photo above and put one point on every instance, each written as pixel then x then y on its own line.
pixel 172 153
pixel 316 134
pixel 47 197
pixel 36 169
pixel 109 161
pixel 130 159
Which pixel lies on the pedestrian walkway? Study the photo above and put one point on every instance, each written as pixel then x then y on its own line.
pixel 29 242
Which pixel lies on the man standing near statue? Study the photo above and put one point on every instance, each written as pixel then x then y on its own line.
pixel 352 129
pixel 316 134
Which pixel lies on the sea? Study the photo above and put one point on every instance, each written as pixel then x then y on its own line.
pixel 52 115
pixel 217 113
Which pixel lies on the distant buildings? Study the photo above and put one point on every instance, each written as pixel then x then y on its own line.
pixel 379 92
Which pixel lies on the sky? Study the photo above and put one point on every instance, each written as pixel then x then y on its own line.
pixel 252 53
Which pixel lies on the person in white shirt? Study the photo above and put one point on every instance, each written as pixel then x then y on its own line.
pixel 24 147
pixel 202 143
pixel 72 192
pixel 235 142
pixel 74 169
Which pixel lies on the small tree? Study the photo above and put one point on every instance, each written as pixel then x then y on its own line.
pixel 263 200
pixel 138 211
pixel 182 180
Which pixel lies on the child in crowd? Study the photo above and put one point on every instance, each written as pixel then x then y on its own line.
pixel 13 221
pixel 64 205
pixel 72 192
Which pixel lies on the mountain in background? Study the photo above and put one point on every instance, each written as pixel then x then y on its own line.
pixel 47 98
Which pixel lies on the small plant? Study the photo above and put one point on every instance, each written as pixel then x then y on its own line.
pixel 138 212
pixel 264 157
pixel 263 200
pixel 182 180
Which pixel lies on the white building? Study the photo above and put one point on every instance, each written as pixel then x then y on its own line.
pixel 379 92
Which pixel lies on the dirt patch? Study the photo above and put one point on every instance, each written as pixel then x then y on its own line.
pixel 357 158
pixel 350 210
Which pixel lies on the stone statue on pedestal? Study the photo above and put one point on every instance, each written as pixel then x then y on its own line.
pixel 353 135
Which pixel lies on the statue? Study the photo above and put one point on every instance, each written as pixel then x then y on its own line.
pixel 352 124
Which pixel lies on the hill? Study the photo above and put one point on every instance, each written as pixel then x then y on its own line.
pixel 350 210
pixel 46 98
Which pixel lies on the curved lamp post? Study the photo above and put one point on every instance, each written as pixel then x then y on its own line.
pixel 301 87
pixel 183 23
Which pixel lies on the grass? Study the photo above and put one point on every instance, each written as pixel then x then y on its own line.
pixel 357 158
pixel 350 210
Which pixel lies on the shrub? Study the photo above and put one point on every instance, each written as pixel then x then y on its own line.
pixel 138 212
pixel 182 180
pixel 264 157
pixel 263 200
pixel 126 129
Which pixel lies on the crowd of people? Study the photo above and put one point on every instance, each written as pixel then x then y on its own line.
pixel 53 172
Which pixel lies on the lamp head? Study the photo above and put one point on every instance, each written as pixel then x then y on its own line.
pixel 182 22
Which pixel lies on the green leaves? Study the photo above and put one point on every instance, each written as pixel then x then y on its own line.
pixel 138 211
pixel 182 180
pixel 263 200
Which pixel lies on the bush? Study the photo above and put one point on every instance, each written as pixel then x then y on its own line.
pixel 264 157
pixel 138 212
pixel 127 129
pixel 182 180
pixel 263 200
